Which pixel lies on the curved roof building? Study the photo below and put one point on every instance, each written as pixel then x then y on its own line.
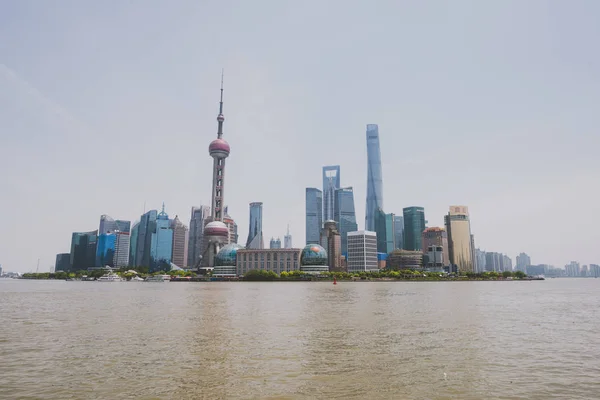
pixel 227 256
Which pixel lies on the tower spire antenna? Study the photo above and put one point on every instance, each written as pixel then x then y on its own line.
pixel 221 117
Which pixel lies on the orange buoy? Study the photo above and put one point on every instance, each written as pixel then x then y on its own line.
pixel 334 281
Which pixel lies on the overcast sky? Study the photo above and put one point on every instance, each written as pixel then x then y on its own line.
pixel 107 105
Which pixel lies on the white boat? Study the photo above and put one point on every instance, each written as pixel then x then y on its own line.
pixel 158 278
pixel 110 277
pixel 136 279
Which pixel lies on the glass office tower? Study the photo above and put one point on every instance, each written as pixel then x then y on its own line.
pixel 414 225
pixel 314 215
pixel 345 215
pixel 331 182
pixel 145 228
pixel 161 243
pixel 105 250
pixel 83 250
pixel 374 177
pixel 399 233
pixel 255 234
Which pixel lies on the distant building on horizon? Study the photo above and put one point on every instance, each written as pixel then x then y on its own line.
pixel 523 260
pixel 362 251
pixel 110 225
pixel 458 227
pixel 105 250
pixel 143 239
pixel 314 214
pixel 414 225
pixel 196 234
pixel 331 182
pixel 231 226
pixel 255 234
pixel 345 215
pixel 399 231
pixel 83 250
pixel 275 243
pixel 400 259
pixel 374 177
pixel 287 239
pixel 63 262
pixel 122 245
pixel 161 243
pixel 179 255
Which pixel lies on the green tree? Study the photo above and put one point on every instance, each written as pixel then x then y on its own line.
pixel 260 275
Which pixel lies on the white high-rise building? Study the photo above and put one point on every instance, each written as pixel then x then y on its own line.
pixel 121 256
pixel 287 239
pixel 362 251
pixel 179 252
pixel 523 261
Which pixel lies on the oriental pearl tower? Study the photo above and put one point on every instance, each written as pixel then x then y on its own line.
pixel 216 233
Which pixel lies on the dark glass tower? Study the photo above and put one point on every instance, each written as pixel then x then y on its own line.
pixel 414 225
pixel 314 216
pixel 374 177
pixel 331 182
pixel 255 234
pixel 345 215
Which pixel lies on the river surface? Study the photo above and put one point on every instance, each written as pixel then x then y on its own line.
pixel 300 340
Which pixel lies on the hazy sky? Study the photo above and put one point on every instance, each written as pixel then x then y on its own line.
pixel 106 105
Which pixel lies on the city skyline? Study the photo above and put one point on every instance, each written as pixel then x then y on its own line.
pixel 138 108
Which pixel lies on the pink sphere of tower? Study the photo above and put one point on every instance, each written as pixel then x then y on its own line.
pixel 219 148
pixel 216 228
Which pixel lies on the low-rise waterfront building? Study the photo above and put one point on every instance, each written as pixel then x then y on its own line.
pixel 405 259
pixel 276 260
pixel 314 259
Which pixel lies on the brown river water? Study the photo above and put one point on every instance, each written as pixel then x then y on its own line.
pixel 300 340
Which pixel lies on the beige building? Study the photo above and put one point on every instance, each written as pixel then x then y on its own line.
pixel 458 227
pixel 179 254
pixel 436 237
pixel 331 241
pixel 276 260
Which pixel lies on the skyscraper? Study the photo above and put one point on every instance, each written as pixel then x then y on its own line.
pixel 275 243
pixel 362 251
pixel 255 234
pixel 374 177
pixel 133 238
pixel 105 249
pixel 523 261
pixel 144 238
pixel 399 233
pixel 331 182
pixel 437 237
pixel 216 233
pixel 314 216
pixel 414 225
pixel 232 226
pixel 331 241
pixel 161 243
pixel 459 238
pixel 385 230
pixel 287 239
pixel 345 215
pixel 63 262
pixel 180 243
pixel 196 234
pixel 83 250
pixel 122 244
pixel 109 225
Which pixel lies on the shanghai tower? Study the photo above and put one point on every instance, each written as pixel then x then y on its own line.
pixel 374 178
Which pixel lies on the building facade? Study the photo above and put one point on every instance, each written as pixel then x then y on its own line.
pixel 161 243
pixel 232 227
pixel 275 243
pixel 196 234
pixel 255 234
pixel 405 259
pixel 83 250
pixel 414 225
pixel 362 251
pixel 145 228
pixel 331 241
pixel 109 225
pixel 133 238
pixel 314 214
pixel 122 246
pixel 276 260
pixel 385 230
pixel 331 182
pixel 345 215
pixel 63 262
pixel 399 231
pixel 437 237
pixel 523 260
pixel 105 250
pixel 179 255
pixel 458 227
pixel 374 177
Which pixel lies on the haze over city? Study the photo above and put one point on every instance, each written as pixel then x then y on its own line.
pixel 106 108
